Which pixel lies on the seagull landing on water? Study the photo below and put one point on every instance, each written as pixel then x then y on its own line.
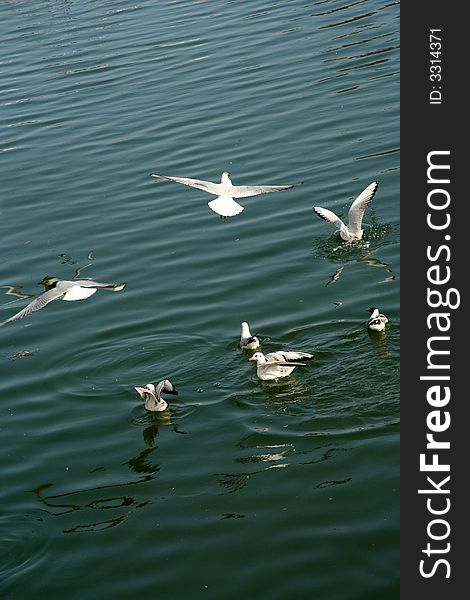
pixel 376 320
pixel 248 341
pixel 225 205
pixel 351 231
pixel 153 395
pixel 279 364
pixel 77 289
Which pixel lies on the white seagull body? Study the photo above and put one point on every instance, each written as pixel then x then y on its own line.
pixel 353 230
pixel 248 341
pixel 77 289
pixel 153 395
pixel 225 205
pixel 377 321
pixel 278 364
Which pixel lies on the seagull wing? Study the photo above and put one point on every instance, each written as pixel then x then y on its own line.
pixel 330 216
pixel 291 356
pixel 243 191
pixel 38 303
pixel 356 212
pixel 206 186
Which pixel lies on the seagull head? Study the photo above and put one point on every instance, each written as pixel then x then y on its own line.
pixel 245 329
pixel 166 386
pixel 49 281
pixel 258 357
pixel 225 177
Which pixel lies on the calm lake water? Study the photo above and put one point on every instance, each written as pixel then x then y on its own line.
pixel 243 489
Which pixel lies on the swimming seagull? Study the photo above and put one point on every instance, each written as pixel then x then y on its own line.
pixel 77 289
pixel 351 231
pixel 153 395
pixel 248 341
pixel 278 364
pixel 376 320
pixel 225 205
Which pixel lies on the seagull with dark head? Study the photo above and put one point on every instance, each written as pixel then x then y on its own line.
pixel 62 289
pixel 248 341
pixel 152 394
pixel 376 321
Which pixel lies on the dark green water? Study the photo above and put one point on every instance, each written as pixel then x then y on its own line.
pixel 244 489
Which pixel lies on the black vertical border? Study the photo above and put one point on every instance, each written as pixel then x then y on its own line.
pixel 426 128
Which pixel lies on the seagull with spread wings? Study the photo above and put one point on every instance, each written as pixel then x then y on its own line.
pixel 353 230
pixel 225 205
pixel 152 394
pixel 77 289
pixel 275 365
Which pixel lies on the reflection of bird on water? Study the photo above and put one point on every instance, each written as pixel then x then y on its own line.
pixel 248 341
pixel 153 395
pixel 77 289
pixel 225 205
pixel 377 321
pixel 373 262
pixel 353 230
pixel 278 364
pixel 14 290
pixel 336 275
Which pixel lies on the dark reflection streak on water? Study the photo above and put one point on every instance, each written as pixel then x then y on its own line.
pixel 349 89
pixel 336 49
pixel 352 20
pixel 330 453
pixel 40 488
pixel 157 419
pixel 384 153
pixel 128 503
pixel 139 464
pixel 78 271
pixel 333 482
pixel 359 56
pixel 98 526
pixel 364 65
pixel 14 290
pixel 150 433
pixel 336 275
pixel 338 9
pixel 373 262
pixel 234 482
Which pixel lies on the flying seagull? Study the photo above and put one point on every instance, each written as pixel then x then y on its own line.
pixel 351 231
pixel 153 395
pixel 77 289
pixel 278 364
pixel 377 320
pixel 225 205
pixel 248 341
